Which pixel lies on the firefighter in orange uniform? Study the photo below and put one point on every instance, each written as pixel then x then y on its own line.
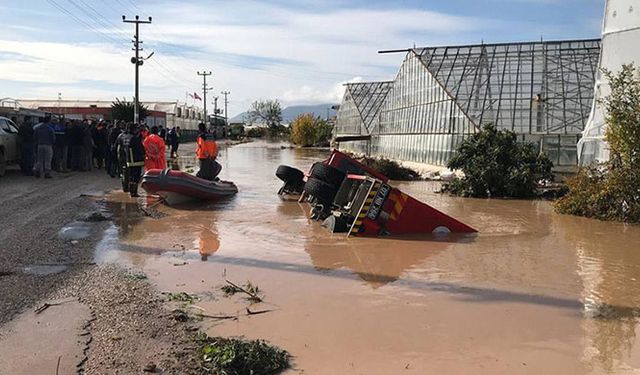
pixel 154 151
pixel 207 152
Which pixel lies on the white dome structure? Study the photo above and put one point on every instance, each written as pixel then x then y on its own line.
pixel 620 45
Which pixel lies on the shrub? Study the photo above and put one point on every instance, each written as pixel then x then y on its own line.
pixel 611 190
pixel 308 130
pixel 495 164
pixel 235 356
pixel 279 131
pixel 256 132
pixel 236 131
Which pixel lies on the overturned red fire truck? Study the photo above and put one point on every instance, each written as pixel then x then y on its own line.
pixel 350 197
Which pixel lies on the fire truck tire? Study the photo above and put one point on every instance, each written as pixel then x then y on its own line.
pixel 322 191
pixel 328 174
pixel 290 174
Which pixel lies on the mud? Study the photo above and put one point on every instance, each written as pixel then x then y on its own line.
pixel 533 292
pixel 48 342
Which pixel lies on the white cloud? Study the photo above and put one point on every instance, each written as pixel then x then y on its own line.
pixel 255 50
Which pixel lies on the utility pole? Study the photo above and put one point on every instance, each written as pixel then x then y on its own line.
pixel 226 102
pixel 215 110
pixel 138 62
pixel 204 91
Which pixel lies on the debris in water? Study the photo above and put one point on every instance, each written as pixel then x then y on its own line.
pixel 237 356
pixel 182 297
pixel 249 289
pixel 249 312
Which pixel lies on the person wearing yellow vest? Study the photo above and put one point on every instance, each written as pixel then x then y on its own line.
pixel 207 152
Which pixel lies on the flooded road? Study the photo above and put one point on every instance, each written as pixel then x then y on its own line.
pixel 532 293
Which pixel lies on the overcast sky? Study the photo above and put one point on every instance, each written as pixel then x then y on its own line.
pixel 297 51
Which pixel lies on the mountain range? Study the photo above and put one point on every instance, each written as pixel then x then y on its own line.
pixel 291 112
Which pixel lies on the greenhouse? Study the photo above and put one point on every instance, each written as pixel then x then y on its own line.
pixel 543 91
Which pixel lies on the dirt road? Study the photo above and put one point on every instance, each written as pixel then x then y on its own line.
pixel 114 321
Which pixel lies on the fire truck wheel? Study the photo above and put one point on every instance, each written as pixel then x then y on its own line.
pixel 320 190
pixel 328 174
pixel 290 175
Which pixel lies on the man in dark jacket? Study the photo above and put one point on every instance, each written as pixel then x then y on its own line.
pixel 25 134
pixel 60 149
pixel 99 134
pixel 113 167
pixel 131 158
pixel 44 138
pixel 75 142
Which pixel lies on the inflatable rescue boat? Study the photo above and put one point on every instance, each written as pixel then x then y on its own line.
pixel 177 187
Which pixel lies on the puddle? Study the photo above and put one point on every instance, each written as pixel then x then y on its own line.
pixel 45 343
pixel 533 292
pixel 76 230
pixel 44 269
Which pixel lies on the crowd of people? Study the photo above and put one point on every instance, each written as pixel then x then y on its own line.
pixel 122 148
pixel 65 145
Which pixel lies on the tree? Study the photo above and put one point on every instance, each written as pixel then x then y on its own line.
pixel 308 130
pixel 495 164
pixel 124 110
pixel 267 111
pixel 611 190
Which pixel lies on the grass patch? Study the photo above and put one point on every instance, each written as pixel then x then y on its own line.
pixel 234 356
pixel 184 297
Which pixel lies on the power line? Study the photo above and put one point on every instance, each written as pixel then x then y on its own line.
pixel 82 22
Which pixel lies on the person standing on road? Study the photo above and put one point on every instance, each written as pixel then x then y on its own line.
pixel 44 138
pixel 112 147
pixel 174 141
pixel 60 149
pixel 87 148
pixel 207 152
pixel 154 149
pixel 131 158
pixel 25 134
pixel 75 142
pixel 99 134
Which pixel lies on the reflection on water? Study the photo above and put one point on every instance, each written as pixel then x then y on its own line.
pixel 558 293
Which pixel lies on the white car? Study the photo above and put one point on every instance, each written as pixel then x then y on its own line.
pixel 9 149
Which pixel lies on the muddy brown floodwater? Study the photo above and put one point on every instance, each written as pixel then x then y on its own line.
pixel 532 293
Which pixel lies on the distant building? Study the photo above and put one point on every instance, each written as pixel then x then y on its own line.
pixel 543 91
pixel 167 114
pixel 14 110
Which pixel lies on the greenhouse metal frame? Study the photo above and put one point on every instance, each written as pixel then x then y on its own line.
pixel 543 91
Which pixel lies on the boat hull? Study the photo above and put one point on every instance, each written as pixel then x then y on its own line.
pixel 178 187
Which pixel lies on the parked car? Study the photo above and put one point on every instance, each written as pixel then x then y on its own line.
pixel 9 146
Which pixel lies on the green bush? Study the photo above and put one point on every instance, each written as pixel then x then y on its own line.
pixel 236 131
pixel 308 130
pixel 611 190
pixel 495 164
pixel 256 132
pixel 238 357
pixel 279 131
